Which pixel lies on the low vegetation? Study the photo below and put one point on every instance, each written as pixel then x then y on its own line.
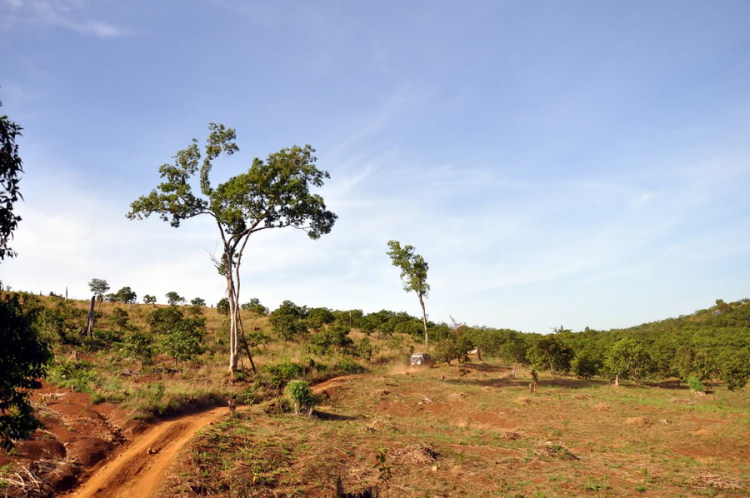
pixel 681 398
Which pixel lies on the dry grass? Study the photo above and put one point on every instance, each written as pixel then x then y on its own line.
pixel 416 454
pixel 487 443
pixel 639 421
pixel 554 451
pixel 715 481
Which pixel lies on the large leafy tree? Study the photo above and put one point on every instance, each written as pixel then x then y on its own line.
pixel 11 167
pixel 275 193
pixel 413 274
pixel 23 355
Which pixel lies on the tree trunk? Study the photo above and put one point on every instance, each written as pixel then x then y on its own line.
pixel 617 380
pixel 90 322
pixel 424 320
pixel 232 313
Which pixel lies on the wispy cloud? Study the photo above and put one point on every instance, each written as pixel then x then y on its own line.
pixel 67 14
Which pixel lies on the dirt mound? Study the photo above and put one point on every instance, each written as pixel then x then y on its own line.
pixel 639 421
pixel 41 449
pixel 89 451
pixel 75 435
pixel 416 454
pixel 554 451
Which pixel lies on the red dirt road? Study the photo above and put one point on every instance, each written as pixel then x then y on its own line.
pixel 139 469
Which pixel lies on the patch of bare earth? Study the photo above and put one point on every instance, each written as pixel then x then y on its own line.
pixel 451 432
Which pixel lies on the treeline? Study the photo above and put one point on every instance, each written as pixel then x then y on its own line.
pixel 710 344
pixel 713 343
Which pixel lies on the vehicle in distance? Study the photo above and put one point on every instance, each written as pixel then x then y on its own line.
pixel 421 360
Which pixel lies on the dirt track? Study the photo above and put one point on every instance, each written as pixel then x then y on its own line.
pixel 139 469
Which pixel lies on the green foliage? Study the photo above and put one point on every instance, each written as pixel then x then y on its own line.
pixel 198 301
pixel 346 365
pixel 164 320
pixel 587 362
pixel 139 345
pixel 148 299
pixel 76 375
pixel 630 359
pixel 317 318
pixel 454 347
pixel 223 306
pixel 275 193
pixel 413 268
pixel 173 298
pixel 254 306
pixel 23 359
pixel 734 368
pixel 333 337
pixel 125 295
pixel 61 322
pixel 98 287
pixel 384 470
pixel 276 376
pixel 120 318
pixel 184 344
pixel 11 166
pixel 550 352
pixel 288 320
pixel 695 384
pixel 301 397
pixel 363 349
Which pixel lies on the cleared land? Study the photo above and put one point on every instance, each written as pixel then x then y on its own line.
pixel 476 432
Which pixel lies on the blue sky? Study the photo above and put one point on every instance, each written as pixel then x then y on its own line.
pixel 556 163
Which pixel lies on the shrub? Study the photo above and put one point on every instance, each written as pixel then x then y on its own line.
pixel 301 397
pixel 77 376
pixel 254 306
pixel 276 376
pixel 695 384
pixel 348 366
pixel 335 336
pixel 453 348
pixel 223 306
pixel 363 349
pixel 139 345
pixel 184 344
pixel 164 320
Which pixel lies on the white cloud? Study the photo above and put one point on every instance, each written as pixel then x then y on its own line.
pixel 65 14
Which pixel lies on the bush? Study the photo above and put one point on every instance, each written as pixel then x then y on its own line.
pixel 453 348
pixel 347 365
pixel 139 345
pixel 164 320
pixel 276 376
pixel 695 384
pixel 77 376
pixel 223 306
pixel 363 349
pixel 300 396
pixel 333 337
pixel 254 306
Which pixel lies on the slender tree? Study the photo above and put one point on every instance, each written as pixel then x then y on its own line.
pixel 98 287
pixel 413 275
pixel 275 193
